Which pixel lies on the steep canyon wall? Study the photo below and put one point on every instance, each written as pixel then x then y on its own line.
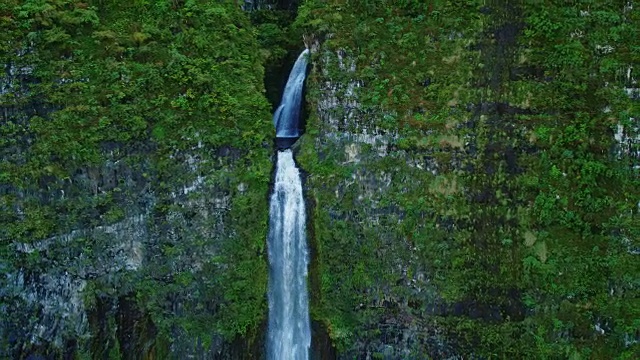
pixel 471 196
pixel 135 144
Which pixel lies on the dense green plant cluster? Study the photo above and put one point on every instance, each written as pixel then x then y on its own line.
pixel 280 44
pixel 106 107
pixel 528 224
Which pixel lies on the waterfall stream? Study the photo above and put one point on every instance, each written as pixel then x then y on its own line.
pixel 289 332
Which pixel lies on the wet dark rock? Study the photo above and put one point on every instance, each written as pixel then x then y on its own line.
pixel 285 143
pixel 526 73
pixel 508 33
pixel 485 10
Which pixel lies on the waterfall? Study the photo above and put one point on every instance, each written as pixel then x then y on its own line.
pixel 286 119
pixel 289 332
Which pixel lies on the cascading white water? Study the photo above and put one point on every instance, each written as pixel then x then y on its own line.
pixel 287 116
pixel 289 332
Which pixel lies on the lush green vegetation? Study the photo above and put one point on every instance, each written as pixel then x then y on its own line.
pixel 499 221
pixel 525 230
pixel 110 104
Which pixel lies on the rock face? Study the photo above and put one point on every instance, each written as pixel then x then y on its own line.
pixel 457 155
pixel 471 179
pixel 362 183
pixel 135 168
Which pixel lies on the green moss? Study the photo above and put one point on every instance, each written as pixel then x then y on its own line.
pixel 119 96
pixel 505 102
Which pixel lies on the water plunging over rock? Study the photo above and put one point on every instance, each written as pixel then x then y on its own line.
pixel 289 333
pixel 286 119
pixel 289 329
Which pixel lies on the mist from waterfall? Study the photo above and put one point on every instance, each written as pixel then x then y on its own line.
pixel 289 330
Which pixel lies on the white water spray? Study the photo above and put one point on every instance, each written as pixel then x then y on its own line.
pixel 289 329
pixel 289 332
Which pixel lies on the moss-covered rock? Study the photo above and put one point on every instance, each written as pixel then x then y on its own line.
pixel 135 139
pixel 467 198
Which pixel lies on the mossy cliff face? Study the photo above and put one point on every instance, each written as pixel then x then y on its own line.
pixel 135 141
pixel 472 177
pixel 470 195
